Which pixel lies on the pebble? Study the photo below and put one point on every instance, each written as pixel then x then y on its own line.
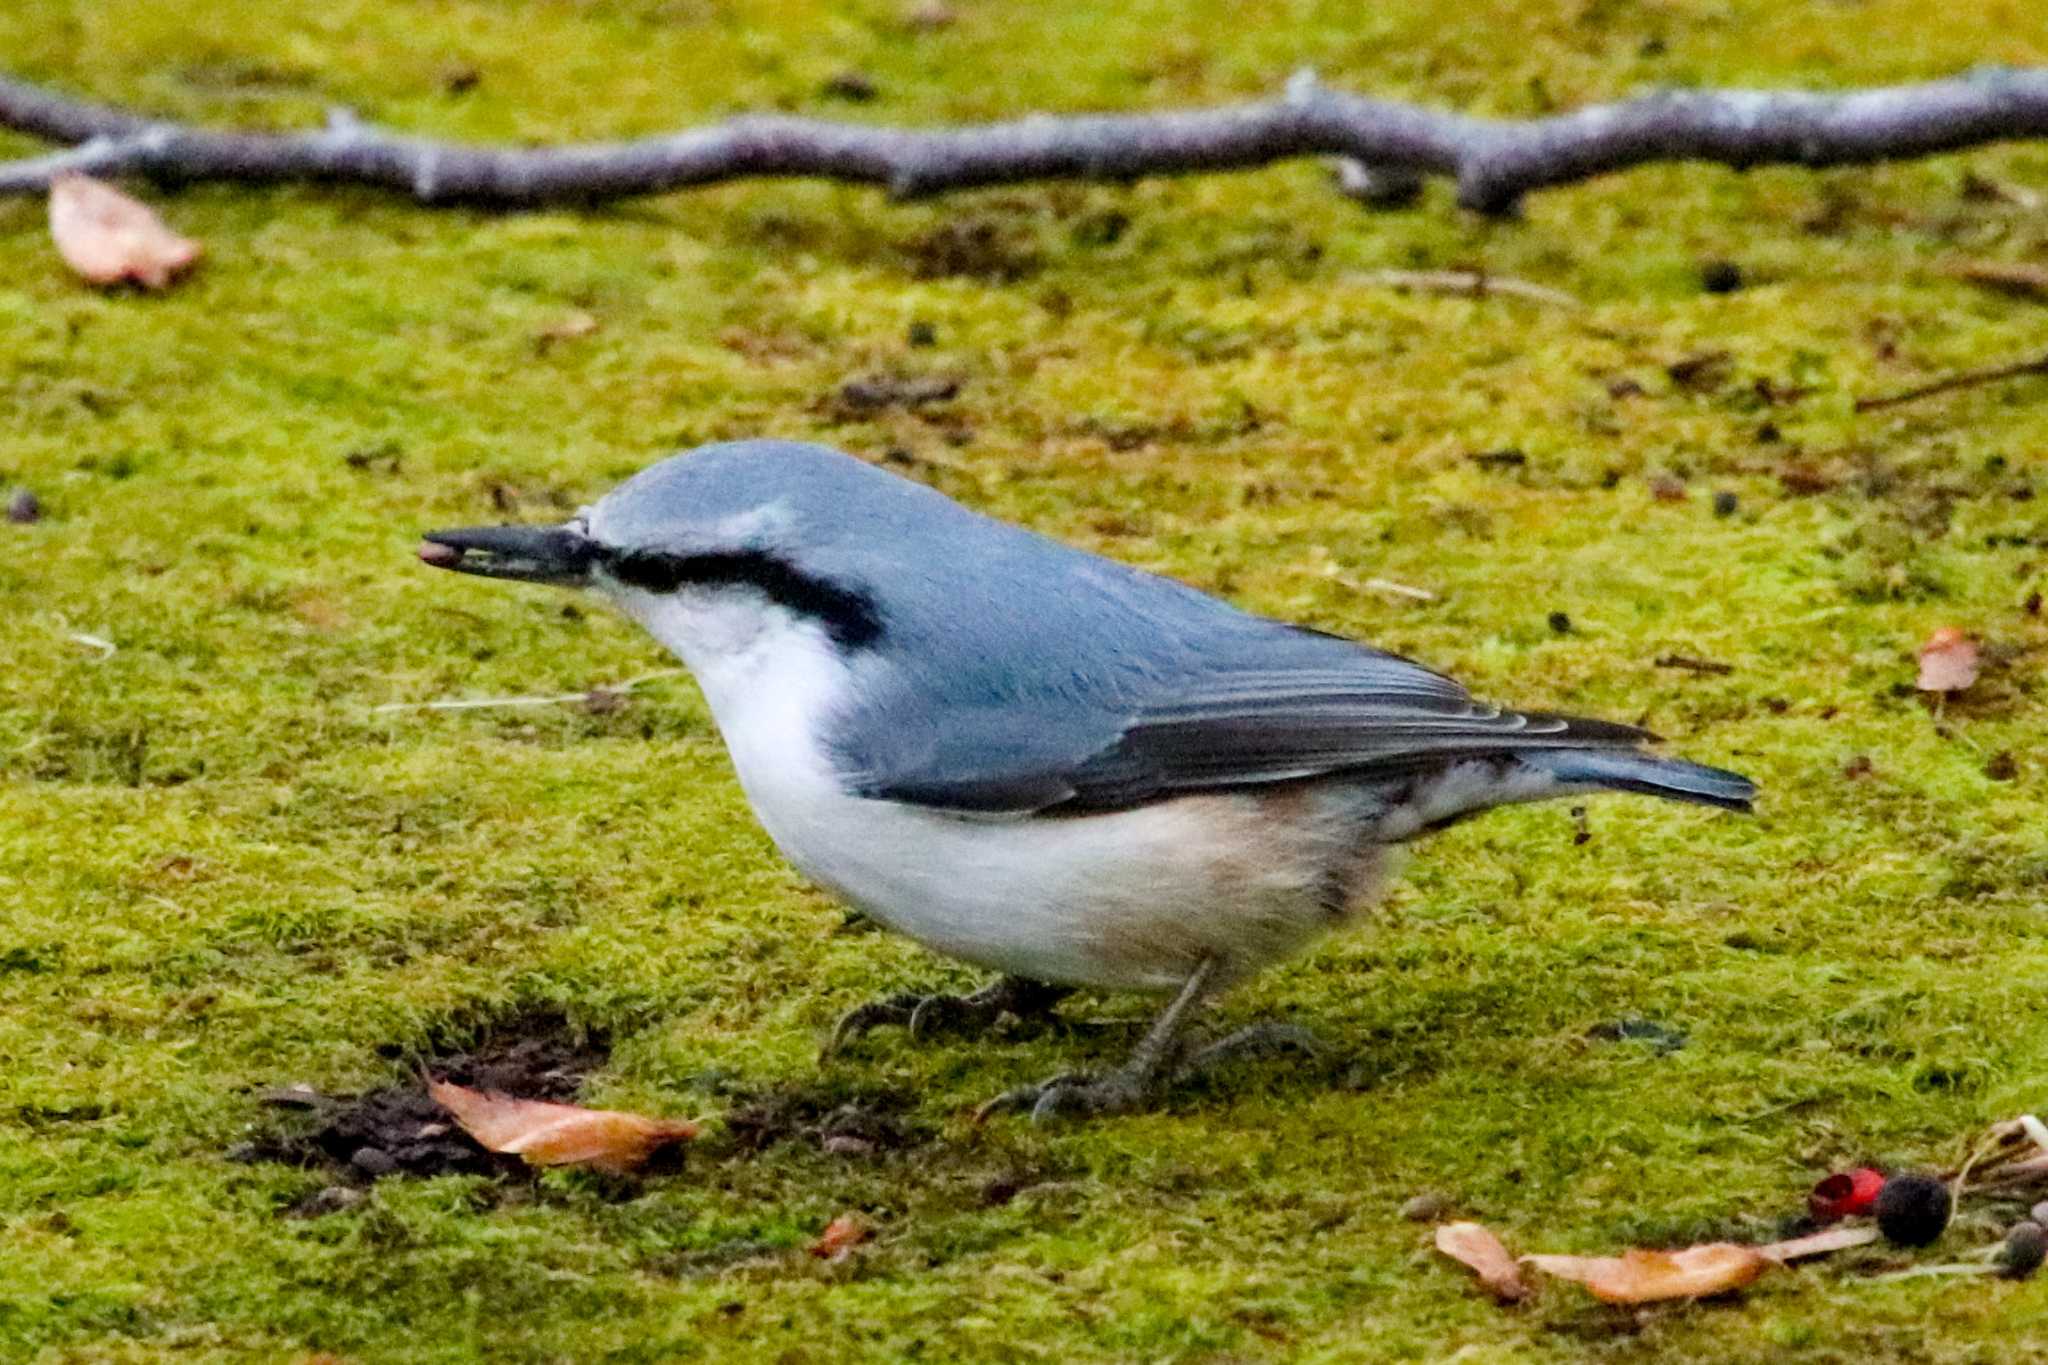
pixel 1426 1207
pixel 2026 1246
pixel 373 1161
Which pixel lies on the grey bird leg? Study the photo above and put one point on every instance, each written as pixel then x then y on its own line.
pixel 1131 1086
pixel 926 1016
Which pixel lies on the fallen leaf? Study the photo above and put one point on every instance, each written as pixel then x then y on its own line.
pixel 1639 1276
pixel 1821 1243
pixel 1948 661
pixel 1475 1246
pixel 108 237
pixel 840 1236
pixel 559 1134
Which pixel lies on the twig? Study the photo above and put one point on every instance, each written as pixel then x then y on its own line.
pixel 1967 379
pixel 1387 146
pixel 1823 1243
pixel 595 694
pixel 1692 665
pixel 1921 1272
pixel 1474 283
pixel 107 648
pixel 1393 589
pixel 2011 277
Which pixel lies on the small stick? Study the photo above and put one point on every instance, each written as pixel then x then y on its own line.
pixel 1393 589
pixel 1967 379
pixel 1692 665
pixel 1471 283
pixel 482 703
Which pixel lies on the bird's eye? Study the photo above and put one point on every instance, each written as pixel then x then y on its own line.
pixel 650 571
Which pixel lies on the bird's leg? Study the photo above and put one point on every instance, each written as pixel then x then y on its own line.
pixel 926 1016
pixel 1131 1086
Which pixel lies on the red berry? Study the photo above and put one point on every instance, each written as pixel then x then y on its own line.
pixel 1845 1194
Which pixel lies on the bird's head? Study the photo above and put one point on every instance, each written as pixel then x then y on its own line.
pixel 714 548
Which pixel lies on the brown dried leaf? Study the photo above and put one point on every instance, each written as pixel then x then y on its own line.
pixel 1639 1276
pixel 559 1134
pixel 108 237
pixel 1475 1246
pixel 1948 661
pixel 840 1236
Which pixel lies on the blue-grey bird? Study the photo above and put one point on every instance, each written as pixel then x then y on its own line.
pixel 1037 760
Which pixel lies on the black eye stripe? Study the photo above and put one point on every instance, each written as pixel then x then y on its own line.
pixel 848 615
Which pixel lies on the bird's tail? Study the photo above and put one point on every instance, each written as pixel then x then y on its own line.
pixel 1632 770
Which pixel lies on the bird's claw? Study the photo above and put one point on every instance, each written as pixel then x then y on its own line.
pixel 1077 1095
pixel 927 1016
pixel 897 1009
pixel 936 1014
pixel 1254 1040
pixel 1071 1096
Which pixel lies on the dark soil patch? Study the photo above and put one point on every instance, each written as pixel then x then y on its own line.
pixel 833 1122
pixel 398 1130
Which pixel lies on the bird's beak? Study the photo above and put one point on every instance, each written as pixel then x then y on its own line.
pixel 531 554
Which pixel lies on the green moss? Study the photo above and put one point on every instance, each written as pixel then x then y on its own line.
pixel 222 870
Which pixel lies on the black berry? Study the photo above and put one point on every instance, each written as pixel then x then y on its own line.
pixel 1912 1209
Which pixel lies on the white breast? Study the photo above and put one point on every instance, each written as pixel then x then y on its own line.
pixel 1129 900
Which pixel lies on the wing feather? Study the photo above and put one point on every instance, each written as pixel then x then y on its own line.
pixel 1384 714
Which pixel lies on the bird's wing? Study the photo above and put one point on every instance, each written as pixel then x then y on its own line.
pixel 1352 709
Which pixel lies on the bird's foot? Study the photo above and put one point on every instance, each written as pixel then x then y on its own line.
pixel 1077 1096
pixel 1257 1041
pixel 927 1016
pixel 1139 1084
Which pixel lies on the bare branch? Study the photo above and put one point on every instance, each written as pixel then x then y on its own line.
pixel 1383 148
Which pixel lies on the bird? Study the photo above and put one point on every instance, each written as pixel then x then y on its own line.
pixel 1048 764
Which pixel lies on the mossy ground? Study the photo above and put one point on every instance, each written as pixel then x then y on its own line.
pixel 222 871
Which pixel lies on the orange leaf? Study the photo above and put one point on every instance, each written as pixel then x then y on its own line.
pixel 107 237
pixel 840 1236
pixel 1648 1276
pixel 559 1134
pixel 1948 661
pixel 1477 1247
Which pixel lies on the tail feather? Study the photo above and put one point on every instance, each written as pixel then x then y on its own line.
pixel 1632 770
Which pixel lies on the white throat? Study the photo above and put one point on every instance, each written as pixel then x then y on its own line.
pixel 773 680
pixel 733 641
